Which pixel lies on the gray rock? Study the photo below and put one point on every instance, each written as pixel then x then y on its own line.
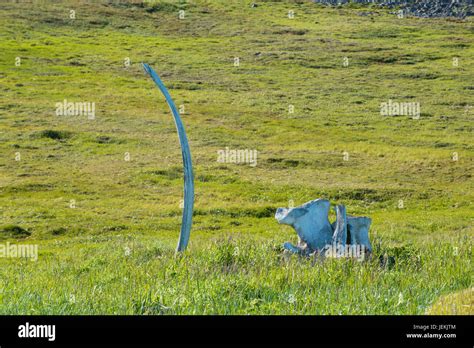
pixel 417 8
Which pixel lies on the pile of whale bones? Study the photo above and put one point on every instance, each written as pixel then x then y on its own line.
pixel 348 236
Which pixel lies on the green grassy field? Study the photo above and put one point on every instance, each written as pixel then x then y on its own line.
pixel 106 227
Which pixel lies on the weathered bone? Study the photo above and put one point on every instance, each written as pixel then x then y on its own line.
pixel 296 249
pixel 187 218
pixel 311 223
pixel 340 226
pixel 316 234
pixel 358 229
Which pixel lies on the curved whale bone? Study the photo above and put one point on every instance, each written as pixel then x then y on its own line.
pixel 187 219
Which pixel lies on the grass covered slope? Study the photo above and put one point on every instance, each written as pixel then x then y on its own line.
pixel 101 197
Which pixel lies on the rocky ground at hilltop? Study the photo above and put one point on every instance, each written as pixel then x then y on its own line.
pixel 418 8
